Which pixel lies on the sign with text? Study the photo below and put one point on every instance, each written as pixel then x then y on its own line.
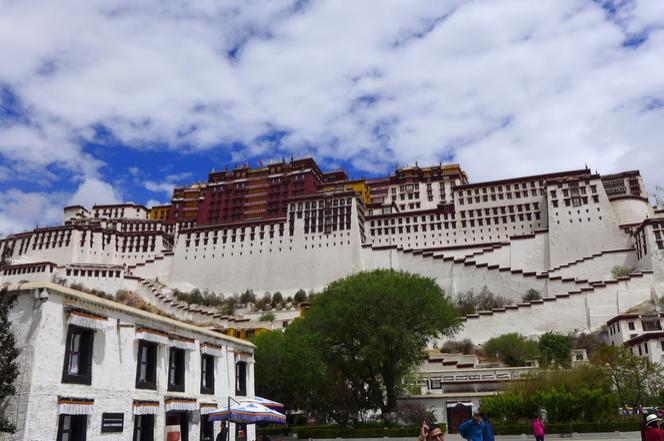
pixel 112 422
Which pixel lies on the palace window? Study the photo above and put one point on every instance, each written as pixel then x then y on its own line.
pixel 146 366
pixel 72 428
pixel 143 428
pixel 241 378
pixel 78 356
pixel 207 374
pixel 176 370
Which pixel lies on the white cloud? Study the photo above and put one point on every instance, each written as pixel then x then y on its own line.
pixel 505 88
pixel 20 211
pixel 159 187
pixel 94 192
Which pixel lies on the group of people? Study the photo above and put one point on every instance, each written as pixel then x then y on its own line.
pixel 480 428
pixel 650 428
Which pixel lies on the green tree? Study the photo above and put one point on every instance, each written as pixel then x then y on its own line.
pixel 277 298
pixel 248 297
pixel 555 350
pixel 375 326
pixel 8 355
pixel 300 296
pixel 512 349
pixel 637 380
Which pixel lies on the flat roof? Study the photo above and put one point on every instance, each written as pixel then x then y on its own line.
pixel 79 295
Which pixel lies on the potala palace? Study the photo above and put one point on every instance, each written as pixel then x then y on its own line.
pixel 288 225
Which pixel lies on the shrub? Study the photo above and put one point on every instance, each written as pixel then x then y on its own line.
pixel 464 346
pixel 267 317
pixel 469 302
pixel 414 412
pixel 530 295
pixel 620 271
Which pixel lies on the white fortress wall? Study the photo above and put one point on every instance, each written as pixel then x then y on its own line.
pixel 285 263
pixel 530 252
pixel 581 221
pixel 578 312
pixel 598 267
pixel 631 209
pixel 500 255
pixel 158 267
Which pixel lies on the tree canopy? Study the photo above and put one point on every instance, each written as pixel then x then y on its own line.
pixel 555 350
pixel 8 355
pixel 365 333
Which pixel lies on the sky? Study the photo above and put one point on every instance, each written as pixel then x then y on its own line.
pixel 104 102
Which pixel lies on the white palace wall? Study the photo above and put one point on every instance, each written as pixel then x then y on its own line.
pixel 579 231
pixel 598 267
pixel 530 253
pixel 285 263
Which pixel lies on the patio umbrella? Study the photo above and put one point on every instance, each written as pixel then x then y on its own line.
pixel 260 400
pixel 247 413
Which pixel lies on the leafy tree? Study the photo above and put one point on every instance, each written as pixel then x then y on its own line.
pixel 277 298
pixel 230 305
pixel 512 349
pixel 637 380
pixel 530 295
pixel 555 349
pixel 8 355
pixel 248 297
pixel 375 326
pixel 300 296
pixel 267 317
pixel 264 303
pixel 464 346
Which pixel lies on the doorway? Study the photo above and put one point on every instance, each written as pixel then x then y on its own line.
pixel 179 418
pixel 457 413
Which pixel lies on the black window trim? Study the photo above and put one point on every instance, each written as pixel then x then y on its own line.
pixel 180 370
pixel 87 344
pixel 209 389
pixel 151 385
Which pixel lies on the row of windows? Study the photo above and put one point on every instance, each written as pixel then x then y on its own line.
pixel 501 196
pixel 92 273
pixel 77 367
pixel 26 270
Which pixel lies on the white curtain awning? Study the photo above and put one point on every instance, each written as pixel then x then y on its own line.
pixel 247 357
pixel 171 404
pixel 75 406
pixel 88 320
pixel 207 408
pixel 152 335
pixel 145 407
pixel 182 342
pixel 212 349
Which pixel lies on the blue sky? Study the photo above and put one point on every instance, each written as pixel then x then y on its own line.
pixel 120 101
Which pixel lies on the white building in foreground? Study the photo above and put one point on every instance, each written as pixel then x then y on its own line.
pixel 643 334
pixel 93 369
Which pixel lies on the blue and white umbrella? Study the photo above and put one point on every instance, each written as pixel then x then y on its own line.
pixel 247 412
pixel 260 400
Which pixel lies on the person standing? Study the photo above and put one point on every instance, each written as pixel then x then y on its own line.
pixel 473 428
pixel 538 428
pixel 653 432
pixel 223 433
pixel 642 426
pixel 487 433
